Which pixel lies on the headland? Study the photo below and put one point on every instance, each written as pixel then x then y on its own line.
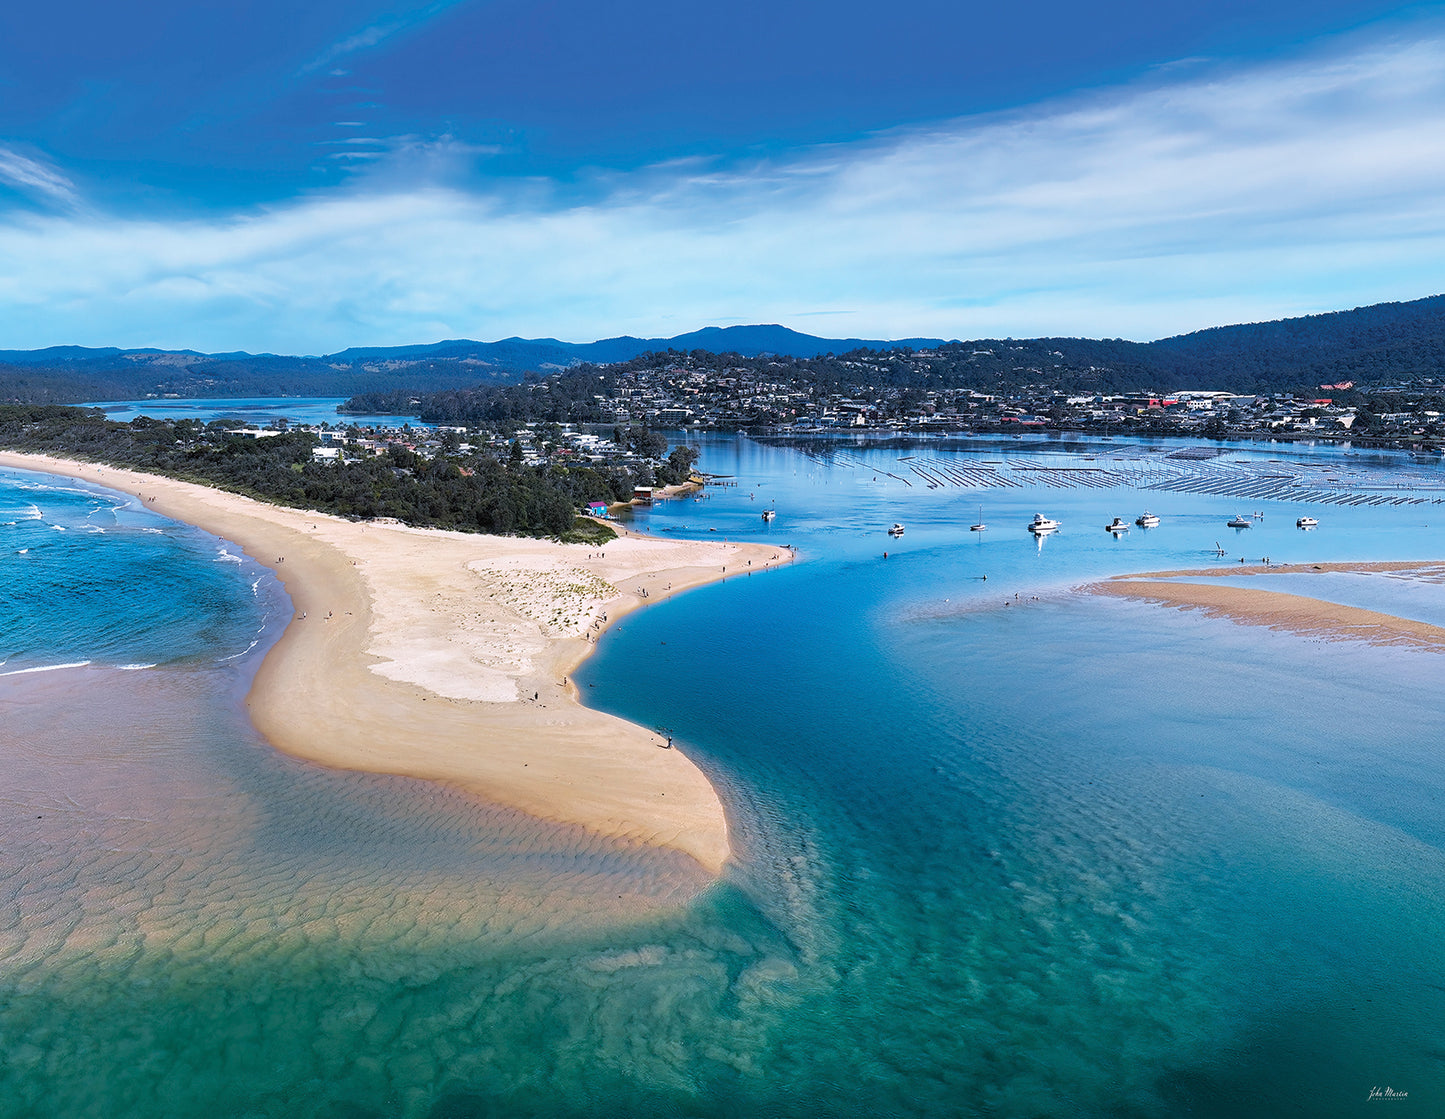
pixel 448 656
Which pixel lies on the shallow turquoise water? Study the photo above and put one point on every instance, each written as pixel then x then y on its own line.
pixel 1065 856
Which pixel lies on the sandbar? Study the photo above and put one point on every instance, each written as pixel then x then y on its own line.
pixel 447 656
pixel 1293 613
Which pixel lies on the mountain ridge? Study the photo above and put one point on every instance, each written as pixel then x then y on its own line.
pixel 1375 341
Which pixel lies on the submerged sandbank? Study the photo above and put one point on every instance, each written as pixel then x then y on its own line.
pixel 1293 613
pixel 446 656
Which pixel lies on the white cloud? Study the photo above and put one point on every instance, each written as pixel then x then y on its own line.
pixel 1207 196
pixel 35 178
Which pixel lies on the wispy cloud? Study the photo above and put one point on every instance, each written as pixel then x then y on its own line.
pixel 36 178
pixel 1209 194
pixel 374 35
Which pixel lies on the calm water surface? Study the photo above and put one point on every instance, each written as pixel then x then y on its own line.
pixel 256 411
pixel 1004 850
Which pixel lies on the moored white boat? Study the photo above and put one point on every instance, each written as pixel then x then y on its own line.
pixel 1116 526
pixel 1041 523
pixel 896 530
pixel 769 514
pixel 1306 522
pixel 1147 519
pixel 1240 522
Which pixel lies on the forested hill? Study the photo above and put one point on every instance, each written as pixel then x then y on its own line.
pixel 1385 343
pixel 72 374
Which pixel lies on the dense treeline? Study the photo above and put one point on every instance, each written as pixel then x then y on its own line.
pixel 569 397
pixel 470 493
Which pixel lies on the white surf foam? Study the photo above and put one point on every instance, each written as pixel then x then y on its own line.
pixel 45 668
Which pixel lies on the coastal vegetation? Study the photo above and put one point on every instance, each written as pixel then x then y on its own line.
pixel 451 486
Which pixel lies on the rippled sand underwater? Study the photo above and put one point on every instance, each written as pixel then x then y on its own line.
pixel 191 924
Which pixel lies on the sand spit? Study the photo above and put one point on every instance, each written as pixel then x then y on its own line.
pixel 1289 612
pixel 446 656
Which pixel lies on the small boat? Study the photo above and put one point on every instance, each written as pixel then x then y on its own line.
pixel 1241 522
pixel 769 514
pixel 1147 519
pixel 980 527
pixel 1307 522
pixel 1116 526
pixel 896 530
pixel 1041 523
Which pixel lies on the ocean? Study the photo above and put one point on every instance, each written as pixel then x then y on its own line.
pixel 1003 849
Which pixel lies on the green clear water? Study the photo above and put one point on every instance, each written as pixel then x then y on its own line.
pixel 1064 857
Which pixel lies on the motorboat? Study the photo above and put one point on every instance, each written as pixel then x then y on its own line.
pixel 1041 523
pixel 1241 522
pixel 1116 526
pixel 769 514
pixel 1307 522
pixel 896 530
pixel 1147 519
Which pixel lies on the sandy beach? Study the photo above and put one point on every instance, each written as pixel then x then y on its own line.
pixel 1293 613
pixel 447 656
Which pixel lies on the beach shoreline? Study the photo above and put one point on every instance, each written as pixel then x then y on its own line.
pixel 1293 613
pixel 448 656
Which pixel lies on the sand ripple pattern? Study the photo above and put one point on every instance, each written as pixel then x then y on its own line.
pixel 189 920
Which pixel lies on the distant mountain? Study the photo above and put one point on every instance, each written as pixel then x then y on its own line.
pixel 750 341
pixel 1385 342
pixel 541 353
pixel 67 374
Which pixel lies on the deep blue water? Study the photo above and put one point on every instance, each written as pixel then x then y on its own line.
pixel 90 575
pixel 1004 849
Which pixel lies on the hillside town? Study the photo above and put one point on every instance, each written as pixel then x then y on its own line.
pixel 894 393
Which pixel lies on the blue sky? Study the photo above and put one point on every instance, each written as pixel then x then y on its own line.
pixel 304 176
